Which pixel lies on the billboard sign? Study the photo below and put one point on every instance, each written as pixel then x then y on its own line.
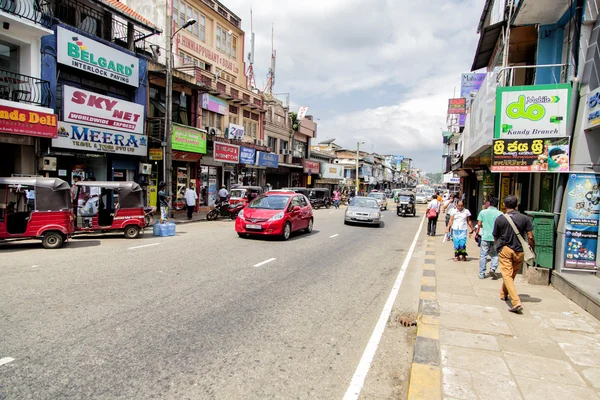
pixel 457 106
pixel 227 153
pixel 469 87
pixel 530 155
pixel 19 121
pixel 214 104
pixel 186 138
pixel 270 160
pixel 247 155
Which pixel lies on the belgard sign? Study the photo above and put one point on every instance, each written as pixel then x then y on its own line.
pixel 85 54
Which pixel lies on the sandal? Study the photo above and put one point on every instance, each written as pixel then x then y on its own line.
pixel 518 309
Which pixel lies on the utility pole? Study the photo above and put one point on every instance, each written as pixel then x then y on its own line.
pixel 357 181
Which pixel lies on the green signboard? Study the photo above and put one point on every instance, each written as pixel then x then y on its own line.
pixel 185 138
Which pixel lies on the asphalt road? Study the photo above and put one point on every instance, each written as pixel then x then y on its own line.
pixel 192 316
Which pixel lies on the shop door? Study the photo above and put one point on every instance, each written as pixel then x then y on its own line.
pixel 120 175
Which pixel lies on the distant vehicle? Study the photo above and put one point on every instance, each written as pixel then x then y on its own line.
pixel 381 199
pixel 244 194
pixel 363 210
pixel 275 213
pixel 406 204
pixel 320 197
pixel 423 197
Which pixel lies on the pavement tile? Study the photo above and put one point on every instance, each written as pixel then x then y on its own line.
pixel 458 298
pixel 473 360
pixel 452 289
pixel 551 370
pixel 593 376
pixel 458 383
pixel 532 344
pixel 583 339
pixel 546 389
pixel 468 340
pixel 473 318
pixel 582 355
pixel 491 386
pixel 567 320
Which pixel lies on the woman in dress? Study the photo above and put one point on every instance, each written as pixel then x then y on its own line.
pixel 459 222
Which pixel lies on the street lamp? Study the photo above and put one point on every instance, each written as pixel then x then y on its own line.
pixel 357 182
pixel 168 146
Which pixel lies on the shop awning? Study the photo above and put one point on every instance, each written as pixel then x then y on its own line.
pixel 186 156
pixel 487 44
pixel 290 165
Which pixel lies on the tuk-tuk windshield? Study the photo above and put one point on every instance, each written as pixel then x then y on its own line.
pixel 405 198
pixel 237 193
pixel 49 200
pixel 128 199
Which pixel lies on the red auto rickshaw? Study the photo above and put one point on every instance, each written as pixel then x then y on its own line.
pixel 36 208
pixel 244 194
pixel 99 213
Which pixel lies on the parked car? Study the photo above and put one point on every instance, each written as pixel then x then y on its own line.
pixel 381 199
pixel 275 214
pixel 363 210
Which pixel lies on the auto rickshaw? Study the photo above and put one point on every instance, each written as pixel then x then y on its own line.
pixel 100 214
pixel 320 197
pixel 406 204
pixel 303 190
pixel 244 194
pixel 36 208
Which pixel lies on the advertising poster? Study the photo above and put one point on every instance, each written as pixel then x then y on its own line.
pixel 247 156
pixel 581 228
pixel 469 86
pixel 185 138
pixel 226 153
pixel 530 155
pixel 269 160
pixel 457 106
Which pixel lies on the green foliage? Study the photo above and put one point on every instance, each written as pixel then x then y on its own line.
pixel 295 122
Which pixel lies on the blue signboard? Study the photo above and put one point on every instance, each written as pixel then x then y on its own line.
pixel 270 160
pixel 247 155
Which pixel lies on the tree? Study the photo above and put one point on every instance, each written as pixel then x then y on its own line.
pixel 294 121
pixel 435 178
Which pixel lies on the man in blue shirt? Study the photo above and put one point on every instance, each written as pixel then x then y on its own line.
pixel 486 219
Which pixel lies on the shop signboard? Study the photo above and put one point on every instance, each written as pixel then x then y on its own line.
pixel 269 160
pixel 469 87
pixel 214 104
pixel 185 138
pixel 312 167
pixel 227 153
pixel 592 110
pixel 451 178
pixel 155 154
pixel 89 138
pixel 537 111
pixel 235 132
pixel 247 156
pixel 457 106
pixel 530 155
pixel 581 227
pixel 81 106
pixel 80 52
pixel 20 121
pixel 332 171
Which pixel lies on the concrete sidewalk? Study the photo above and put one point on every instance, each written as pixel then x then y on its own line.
pixel 470 347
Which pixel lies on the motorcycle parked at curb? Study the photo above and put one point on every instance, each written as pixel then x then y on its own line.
pixel 225 210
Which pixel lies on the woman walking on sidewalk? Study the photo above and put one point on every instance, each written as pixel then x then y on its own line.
pixel 459 222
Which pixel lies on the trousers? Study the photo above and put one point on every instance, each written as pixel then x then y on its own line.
pixel 431 225
pixel 510 263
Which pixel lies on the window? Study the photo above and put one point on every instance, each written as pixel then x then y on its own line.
pixel 233 47
pixel 283 145
pixel 233 119
pixel 9 57
pixel 189 16
pixel 218 41
pixel 195 26
pixel 202 22
pixel 175 12
pixel 223 40
pixel 272 143
pixel 181 13
pixel 219 121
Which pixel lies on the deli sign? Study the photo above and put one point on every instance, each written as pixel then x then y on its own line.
pixel 19 121
pixel 85 54
pixel 83 107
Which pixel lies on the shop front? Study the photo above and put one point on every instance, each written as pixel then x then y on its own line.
pixel 275 176
pixel 332 176
pixel 312 171
pixel 250 174
pixel 189 145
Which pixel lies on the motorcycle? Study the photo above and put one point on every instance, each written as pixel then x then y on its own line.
pixel 225 210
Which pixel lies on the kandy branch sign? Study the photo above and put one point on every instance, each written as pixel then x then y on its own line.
pixel 88 138
pixel 538 111
pixel 19 121
pixel 85 54
pixel 81 106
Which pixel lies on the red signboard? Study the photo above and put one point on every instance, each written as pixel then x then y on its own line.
pixel 19 121
pixel 457 106
pixel 312 167
pixel 227 153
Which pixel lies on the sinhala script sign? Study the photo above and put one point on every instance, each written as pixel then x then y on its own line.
pixel 538 111
pixel 85 54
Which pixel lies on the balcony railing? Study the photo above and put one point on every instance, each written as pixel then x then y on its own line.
pixel 35 11
pixel 24 89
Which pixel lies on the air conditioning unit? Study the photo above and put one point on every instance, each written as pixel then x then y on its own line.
pixel 47 164
pixel 258 142
pixel 145 169
pixel 285 152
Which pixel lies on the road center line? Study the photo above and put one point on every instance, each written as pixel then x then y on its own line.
pixel 6 360
pixel 144 245
pixel 264 262
pixel 364 365
pixel 332 236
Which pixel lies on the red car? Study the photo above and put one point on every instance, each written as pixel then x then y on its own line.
pixel 277 213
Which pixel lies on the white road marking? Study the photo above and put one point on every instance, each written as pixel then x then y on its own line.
pixel 6 360
pixel 332 236
pixel 144 245
pixel 34 266
pixel 364 365
pixel 264 262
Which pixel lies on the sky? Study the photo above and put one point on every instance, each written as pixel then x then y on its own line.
pixel 379 71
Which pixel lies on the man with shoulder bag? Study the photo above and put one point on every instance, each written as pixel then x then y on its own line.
pixel 509 234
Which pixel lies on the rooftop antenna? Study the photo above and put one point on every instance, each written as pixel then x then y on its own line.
pixel 250 71
pixel 271 74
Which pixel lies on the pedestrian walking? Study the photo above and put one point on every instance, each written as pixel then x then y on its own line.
pixel 163 202
pixel 336 198
pixel 190 200
pixel 447 206
pixel 433 210
pixel 460 221
pixel 485 223
pixel 510 250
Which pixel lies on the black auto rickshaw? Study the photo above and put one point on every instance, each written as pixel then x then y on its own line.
pixel 302 190
pixel 320 197
pixel 406 204
pixel 244 194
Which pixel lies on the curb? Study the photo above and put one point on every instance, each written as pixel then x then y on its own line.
pixel 425 374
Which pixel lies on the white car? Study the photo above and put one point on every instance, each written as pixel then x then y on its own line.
pixel 423 197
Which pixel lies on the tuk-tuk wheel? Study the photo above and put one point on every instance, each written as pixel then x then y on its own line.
pixel 52 240
pixel 132 232
pixel 328 206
